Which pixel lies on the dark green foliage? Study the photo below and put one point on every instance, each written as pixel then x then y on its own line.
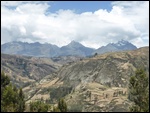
pixel 62 105
pixel 21 106
pixel 75 108
pixel 39 106
pixel 56 109
pixel 57 93
pixel 12 99
pixel 4 79
pixel 8 99
pixel 139 91
pixel 95 54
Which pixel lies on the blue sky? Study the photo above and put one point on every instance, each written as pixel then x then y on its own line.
pixel 80 6
pixel 92 23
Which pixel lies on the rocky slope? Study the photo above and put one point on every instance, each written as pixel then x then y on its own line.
pixel 66 59
pixel 23 70
pixel 93 84
pixel 112 69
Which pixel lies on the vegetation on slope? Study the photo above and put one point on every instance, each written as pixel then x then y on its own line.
pixel 139 91
pixel 12 98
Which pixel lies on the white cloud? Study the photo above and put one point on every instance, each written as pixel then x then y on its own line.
pixel 28 21
pixel 16 3
pixel 32 8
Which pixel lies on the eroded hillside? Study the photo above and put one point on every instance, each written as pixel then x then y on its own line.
pixel 93 84
pixel 25 70
pixel 112 69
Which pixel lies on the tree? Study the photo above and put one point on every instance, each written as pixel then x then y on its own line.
pixel 75 107
pixel 56 109
pixel 21 104
pixel 12 99
pixel 7 102
pixel 62 105
pixel 39 106
pixel 4 79
pixel 139 91
pixel 95 54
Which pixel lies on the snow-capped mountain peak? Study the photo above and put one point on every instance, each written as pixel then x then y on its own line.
pixel 121 43
pixel 119 46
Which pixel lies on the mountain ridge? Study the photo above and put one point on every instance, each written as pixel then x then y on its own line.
pixel 118 46
pixel 73 48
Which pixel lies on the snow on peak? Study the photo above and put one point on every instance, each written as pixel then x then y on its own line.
pixel 121 43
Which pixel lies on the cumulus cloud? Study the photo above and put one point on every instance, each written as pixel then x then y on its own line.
pixel 33 21
pixel 16 3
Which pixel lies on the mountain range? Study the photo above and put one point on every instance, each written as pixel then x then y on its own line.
pixel 113 47
pixel 96 84
pixel 73 48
